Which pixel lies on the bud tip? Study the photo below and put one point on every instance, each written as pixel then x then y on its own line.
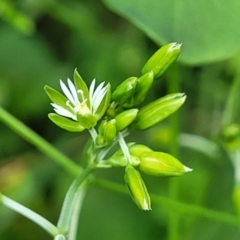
pixel 187 169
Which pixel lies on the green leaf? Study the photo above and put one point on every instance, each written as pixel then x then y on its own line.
pixel 65 123
pixel 206 28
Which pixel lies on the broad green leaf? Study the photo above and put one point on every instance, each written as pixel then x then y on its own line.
pixel 208 29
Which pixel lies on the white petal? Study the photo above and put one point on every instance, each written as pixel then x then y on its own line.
pixel 67 92
pixel 73 91
pixel 98 90
pixel 91 90
pixel 63 112
pixel 97 99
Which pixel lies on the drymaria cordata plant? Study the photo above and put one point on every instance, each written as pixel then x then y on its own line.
pixel 110 116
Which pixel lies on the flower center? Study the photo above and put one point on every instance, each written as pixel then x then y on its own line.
pixel 83 108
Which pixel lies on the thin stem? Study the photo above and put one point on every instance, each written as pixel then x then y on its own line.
pixel 174 86
pixel 71 197
pixel 93 133
pixel 124 147
pixel 106 150
pixel 77 207
pixel 39 220
pixel 40 143
pixel 232 106
pixel 174 205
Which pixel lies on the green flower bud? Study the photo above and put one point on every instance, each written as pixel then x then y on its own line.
pixel 137 188
pixel 125 90
pixel 144 83
pixel 109 131
pixel 65 123
pixel 125 118
pixel 138 149
pixel 100 141
pixel 158 110
pixel 162 59
pixel 161 164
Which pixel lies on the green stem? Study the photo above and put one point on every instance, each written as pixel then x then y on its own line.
pixel 174 86
pixel 70 201
pixel 174 205
pixel 124 147
pixel 39 220
pixel 77 207
pixel 232 106
pixel 40 143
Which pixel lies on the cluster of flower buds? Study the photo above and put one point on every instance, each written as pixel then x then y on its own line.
pixel 149 162
pixel 109 116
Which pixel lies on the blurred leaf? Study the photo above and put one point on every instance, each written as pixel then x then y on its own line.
pixel 206 28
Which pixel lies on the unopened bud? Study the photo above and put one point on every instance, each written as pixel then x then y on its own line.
pixel 125 118
pixel 161 164
pixel 158 110
pixel 109 131
pixel 125 90
pixel 144 83
pixel 162 59
pixel 138 149
pixel 137 188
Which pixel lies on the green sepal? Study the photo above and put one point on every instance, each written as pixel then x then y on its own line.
pixel 144 84
pixel 137 188
pixel 125 90
pixel 104 104
pixel 138 149
pixel 125 118
pixel 81 85
pixel 158 110
pixel 160 61
pixel 87 120
pixel 56 97
pixel 65 123
pixel 161 164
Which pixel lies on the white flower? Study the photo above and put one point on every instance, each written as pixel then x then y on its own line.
pixel 77 102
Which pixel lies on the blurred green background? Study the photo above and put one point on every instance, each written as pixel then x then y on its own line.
pixel 42 41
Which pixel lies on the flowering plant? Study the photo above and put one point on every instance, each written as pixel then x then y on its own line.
pixel 110 116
